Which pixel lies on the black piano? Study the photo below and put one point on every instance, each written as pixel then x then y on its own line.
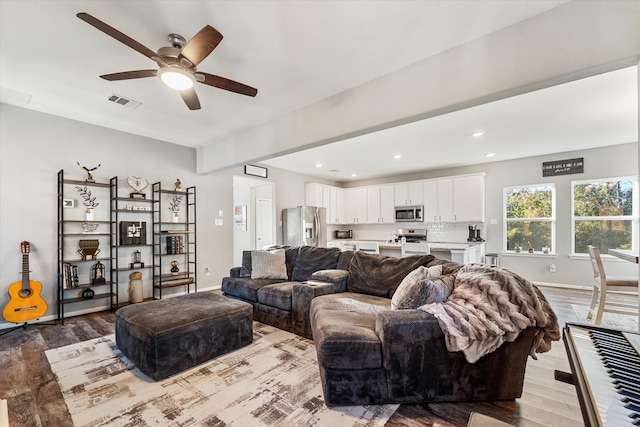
pixel 605 364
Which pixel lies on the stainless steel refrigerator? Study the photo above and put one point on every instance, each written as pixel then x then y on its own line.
pixel 304 226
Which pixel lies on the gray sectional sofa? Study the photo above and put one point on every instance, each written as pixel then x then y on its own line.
pixel 373 348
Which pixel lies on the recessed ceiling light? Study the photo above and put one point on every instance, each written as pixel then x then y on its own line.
pixel 490 154
pixel 354 175
pixel 477 134
pixel 318 165
pixel 397 156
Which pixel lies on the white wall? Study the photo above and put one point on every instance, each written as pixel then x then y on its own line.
pixel 35 146
pixel 608 162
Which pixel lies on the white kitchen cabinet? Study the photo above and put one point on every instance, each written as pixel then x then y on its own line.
pixel 387 204
pixel 457 199
pixel 356 206
pixel 468 198
pixel 314 195
pixel 445 200
pixel 380 205
pixel 336 214
pixel 408 193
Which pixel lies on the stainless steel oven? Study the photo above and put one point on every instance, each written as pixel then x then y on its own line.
pixel 409 213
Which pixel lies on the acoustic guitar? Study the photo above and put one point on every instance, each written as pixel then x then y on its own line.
pixel 25 301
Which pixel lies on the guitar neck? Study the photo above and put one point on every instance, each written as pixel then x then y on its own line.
pixel 25 271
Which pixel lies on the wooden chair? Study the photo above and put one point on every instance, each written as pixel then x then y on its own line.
pixel 603 284
pixel 418 248
pixel 370 247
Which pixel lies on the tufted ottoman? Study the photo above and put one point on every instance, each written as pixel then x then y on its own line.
pixel 167 336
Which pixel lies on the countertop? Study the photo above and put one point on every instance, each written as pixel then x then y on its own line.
pixel 434 246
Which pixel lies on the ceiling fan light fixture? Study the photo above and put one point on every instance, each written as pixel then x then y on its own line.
pixel 176 78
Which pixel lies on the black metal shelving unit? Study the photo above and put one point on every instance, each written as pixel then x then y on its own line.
pixel 166 230
pixel 130 209
pixel 70 230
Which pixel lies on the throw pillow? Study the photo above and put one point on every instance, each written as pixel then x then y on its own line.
pixel 268 264
pixel 245 269
pixel 417 288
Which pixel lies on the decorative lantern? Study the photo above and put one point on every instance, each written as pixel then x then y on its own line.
pixel 137 260
pixel 97 273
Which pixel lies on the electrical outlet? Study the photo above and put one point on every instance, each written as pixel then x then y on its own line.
pixel 552 268
pixel 207 271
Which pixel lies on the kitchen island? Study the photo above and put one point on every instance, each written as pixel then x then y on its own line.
pixel 463 253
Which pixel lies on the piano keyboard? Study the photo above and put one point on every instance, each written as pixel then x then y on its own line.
pixel 606 371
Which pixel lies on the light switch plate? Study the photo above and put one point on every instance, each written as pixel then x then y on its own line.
pixel 218 221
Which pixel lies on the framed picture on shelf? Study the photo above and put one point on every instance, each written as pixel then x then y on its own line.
pixel 68 203
pixel 133 233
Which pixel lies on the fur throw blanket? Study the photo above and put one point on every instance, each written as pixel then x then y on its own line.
pixel 489 306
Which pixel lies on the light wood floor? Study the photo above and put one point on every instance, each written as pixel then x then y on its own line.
pixel 34 397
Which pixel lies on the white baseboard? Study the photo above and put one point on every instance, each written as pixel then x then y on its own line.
pixel 563 285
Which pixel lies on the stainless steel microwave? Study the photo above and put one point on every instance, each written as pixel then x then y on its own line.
pixel 409 213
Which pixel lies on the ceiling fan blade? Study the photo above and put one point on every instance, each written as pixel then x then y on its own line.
pixel 227 84
pixel 190 98
pixel 126 75
pixel 201 45
pixel 121 37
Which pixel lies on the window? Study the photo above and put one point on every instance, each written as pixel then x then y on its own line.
pixel 529 218
pixel 603 214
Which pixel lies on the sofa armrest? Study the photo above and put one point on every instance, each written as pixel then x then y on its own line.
pixel 418 363
pixel 235 272
pixel 331 276
pixel 303 294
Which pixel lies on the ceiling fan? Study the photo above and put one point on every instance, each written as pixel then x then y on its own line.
pixel 177 62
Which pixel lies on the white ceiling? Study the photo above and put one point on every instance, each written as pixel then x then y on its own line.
pixel 588 113
pixel 296 53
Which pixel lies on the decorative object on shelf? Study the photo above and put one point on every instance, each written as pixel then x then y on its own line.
pixel 89 172
pixel 68 203
pixel 135 287
pixel 178 185
pixel 88 293
pixel 256 171
pixel 546 249
pixel 97 273
pixel 137 260
pixel 138 184
pixel 517 248
pixel 133 233
pixel 89 248
pixel 89 227
pixel 174 206
pixel 174 267
pixel 69 276
pixel 89 202
pixel 529 247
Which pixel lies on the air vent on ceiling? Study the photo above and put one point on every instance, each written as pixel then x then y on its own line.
pixel 123 101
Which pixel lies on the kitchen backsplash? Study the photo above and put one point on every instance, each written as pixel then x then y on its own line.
pixel 436 232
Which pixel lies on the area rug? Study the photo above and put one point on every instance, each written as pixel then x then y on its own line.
pixel 609 320
pixel 273 381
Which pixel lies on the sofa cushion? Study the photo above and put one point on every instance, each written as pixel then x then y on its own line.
pixel 245 269
pixel 268 264
pixel 380 275
pixel 311 259
pixel 276 295
pixel 244 287
pixel 411 289
pixel 344 260
pixel 344 330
